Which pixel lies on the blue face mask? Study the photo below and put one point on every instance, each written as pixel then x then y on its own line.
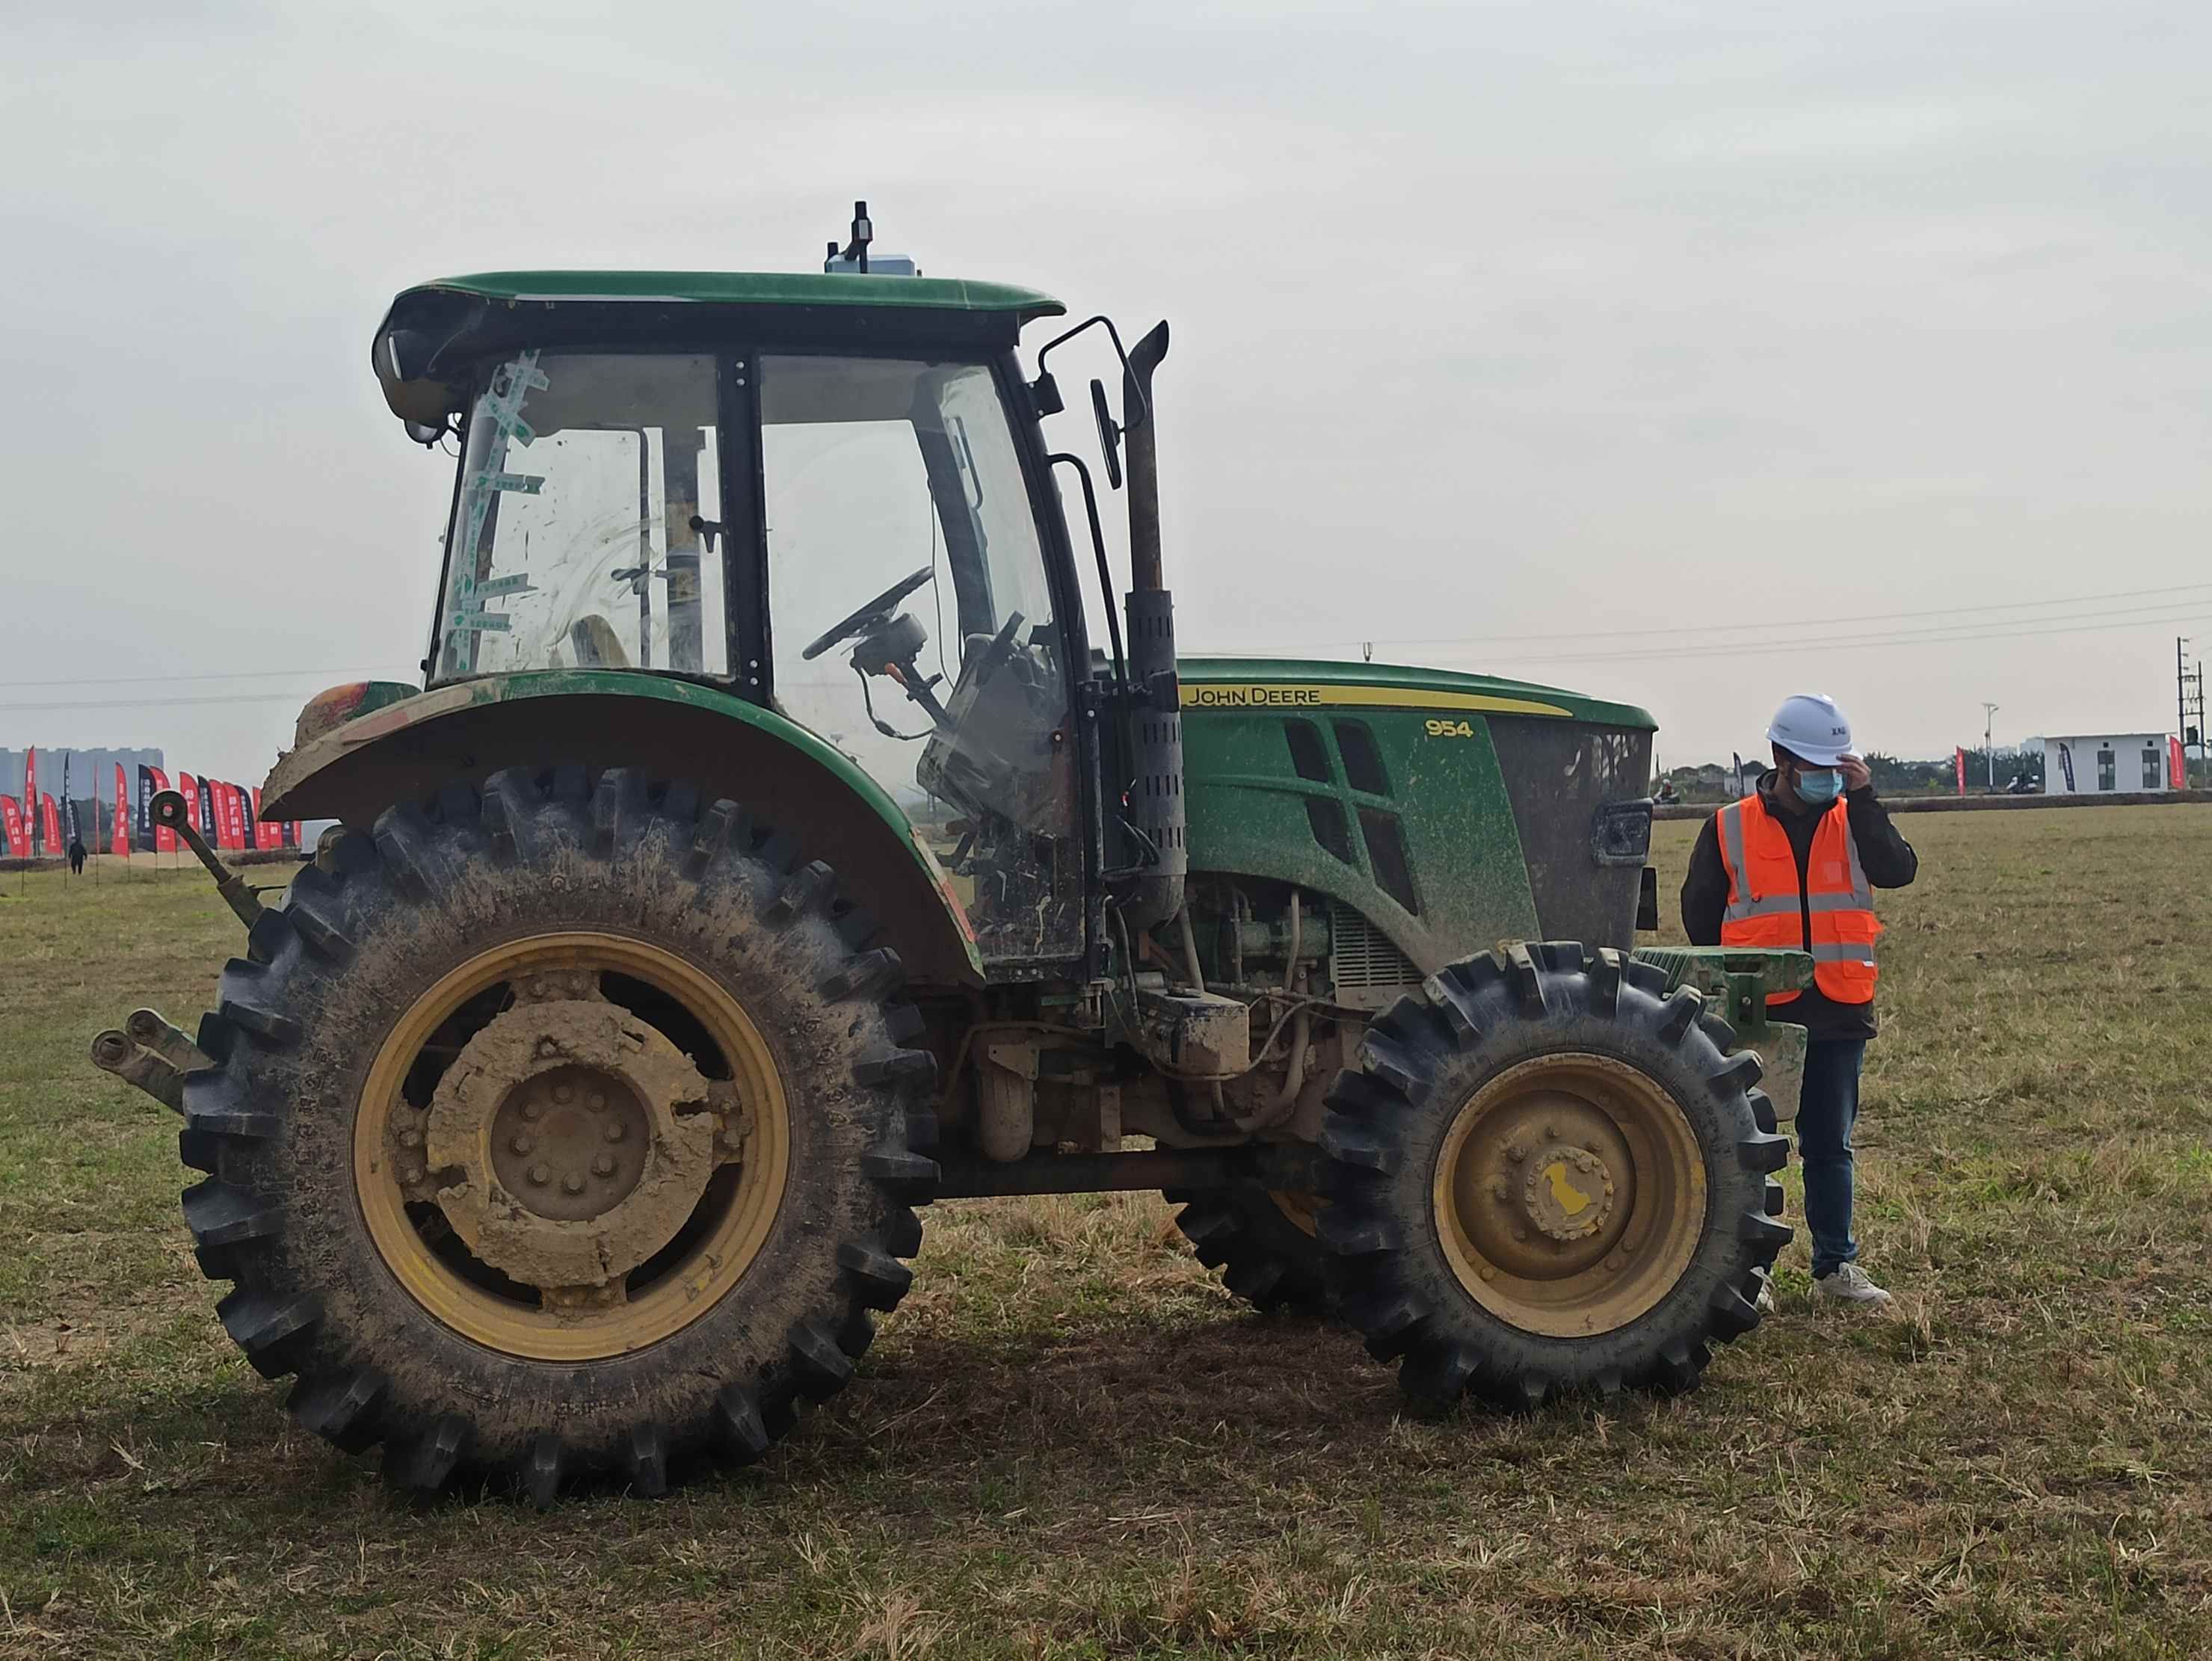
pixel 1820 786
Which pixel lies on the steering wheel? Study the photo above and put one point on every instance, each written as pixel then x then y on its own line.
pixel 881 609
pixel 993 656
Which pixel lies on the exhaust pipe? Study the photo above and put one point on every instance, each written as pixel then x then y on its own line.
pixel 1154 717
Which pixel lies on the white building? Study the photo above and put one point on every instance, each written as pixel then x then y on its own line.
pixel 2095 764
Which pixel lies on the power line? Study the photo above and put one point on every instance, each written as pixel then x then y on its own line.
pixel 226 674
pixel 1750 645
pixel 1874 644
pixel 1756 647
pixel 2174 594
pixel 159 704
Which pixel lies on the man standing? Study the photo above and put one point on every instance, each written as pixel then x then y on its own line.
pixel 1791 866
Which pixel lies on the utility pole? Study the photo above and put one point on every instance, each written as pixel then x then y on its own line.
pixel 1989 717
pixel 2181 705
pixel 2188 688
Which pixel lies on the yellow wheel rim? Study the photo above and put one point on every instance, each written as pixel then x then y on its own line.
pixel 1569 1194
pixel 710 1252
pixel 1301 1210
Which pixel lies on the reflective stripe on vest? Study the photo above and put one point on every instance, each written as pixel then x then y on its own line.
pixel 1768 907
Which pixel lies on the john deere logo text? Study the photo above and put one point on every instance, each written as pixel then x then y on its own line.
pixel 1247 698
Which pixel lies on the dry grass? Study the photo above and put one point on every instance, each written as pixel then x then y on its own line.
pixel 1071 1441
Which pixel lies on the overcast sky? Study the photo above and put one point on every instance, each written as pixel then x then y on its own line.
pixel 1608 346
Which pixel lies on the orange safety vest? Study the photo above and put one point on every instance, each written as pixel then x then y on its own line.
pixel 1766 906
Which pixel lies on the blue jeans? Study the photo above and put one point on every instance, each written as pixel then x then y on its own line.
pixel 1826 1109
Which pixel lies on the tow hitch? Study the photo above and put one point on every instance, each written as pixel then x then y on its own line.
pixel 148 1052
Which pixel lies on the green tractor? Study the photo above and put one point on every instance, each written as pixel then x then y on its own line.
pixel 771 850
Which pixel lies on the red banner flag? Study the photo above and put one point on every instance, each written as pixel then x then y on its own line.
pixel 1959 757
pixel 233 814
pixel 31 795
pixel 2177 761
pixel 11 821
pixel 291 833
pixel 118 834
pixel 191 791
pixel 50 816
pixel 267 833
pixel 219 795
pixel 165 839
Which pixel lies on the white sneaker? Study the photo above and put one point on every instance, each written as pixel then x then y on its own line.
pixel 1849 1285
pixel 1765 1301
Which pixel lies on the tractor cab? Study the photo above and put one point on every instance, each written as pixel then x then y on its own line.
pixel 822 494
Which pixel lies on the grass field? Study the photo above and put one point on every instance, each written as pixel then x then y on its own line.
pixel 1070 1440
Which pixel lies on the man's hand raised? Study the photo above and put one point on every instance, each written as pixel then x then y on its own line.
pixel 1857 775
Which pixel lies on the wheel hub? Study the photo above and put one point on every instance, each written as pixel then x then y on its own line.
pixel 1544 1190
pixel 569 1142
pixel 1569 1194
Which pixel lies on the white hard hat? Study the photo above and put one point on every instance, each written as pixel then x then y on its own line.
pixel 1810 726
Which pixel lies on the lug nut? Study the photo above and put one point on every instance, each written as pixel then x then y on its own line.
pixel 604 1165
pixel 596 1100
pixel 1551 1133
pixel 523 1144
pixel 1517 1152
pixel 539 1175
pixel 572 1183
pixel 1520 1233
pixel 1501 1192
pixel 530 1110
pixel 547 1047
pixel 1488 1273
pixel 562 1092
pixel 614 1131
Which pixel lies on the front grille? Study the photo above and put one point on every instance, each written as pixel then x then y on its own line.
pixel 1369 972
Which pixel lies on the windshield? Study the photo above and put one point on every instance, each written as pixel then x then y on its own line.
pixel 576 542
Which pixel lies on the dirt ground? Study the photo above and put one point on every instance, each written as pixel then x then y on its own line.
pixel 1070 1441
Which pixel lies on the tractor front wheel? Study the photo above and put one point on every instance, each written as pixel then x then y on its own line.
pixel 1546 1176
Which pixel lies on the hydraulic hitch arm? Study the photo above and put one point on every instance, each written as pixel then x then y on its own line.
pixel 168 807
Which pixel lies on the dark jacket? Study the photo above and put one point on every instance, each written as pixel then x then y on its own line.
pixel 1888 859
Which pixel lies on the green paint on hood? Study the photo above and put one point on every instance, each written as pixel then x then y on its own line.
pixel 1217 682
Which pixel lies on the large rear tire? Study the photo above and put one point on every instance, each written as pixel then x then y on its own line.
pixel 560 1130
pixel 1547 1176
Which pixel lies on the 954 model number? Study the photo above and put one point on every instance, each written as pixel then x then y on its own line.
pixel 1448 729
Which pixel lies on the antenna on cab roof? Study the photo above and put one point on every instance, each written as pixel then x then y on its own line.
pixel 853 258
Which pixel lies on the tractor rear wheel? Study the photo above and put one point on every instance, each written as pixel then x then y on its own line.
pixel 1548 1175
pixel 563 1131
pixel 1263 1241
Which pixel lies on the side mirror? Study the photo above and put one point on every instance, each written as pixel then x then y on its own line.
pixel 1109 435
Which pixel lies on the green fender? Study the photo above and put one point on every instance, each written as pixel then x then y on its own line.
pixel 667 728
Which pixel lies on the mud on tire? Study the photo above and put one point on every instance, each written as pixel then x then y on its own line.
pixel 1428 1057
pixel 359 936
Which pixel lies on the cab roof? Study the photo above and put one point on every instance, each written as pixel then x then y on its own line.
pixel 751 289
pixel 436 334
